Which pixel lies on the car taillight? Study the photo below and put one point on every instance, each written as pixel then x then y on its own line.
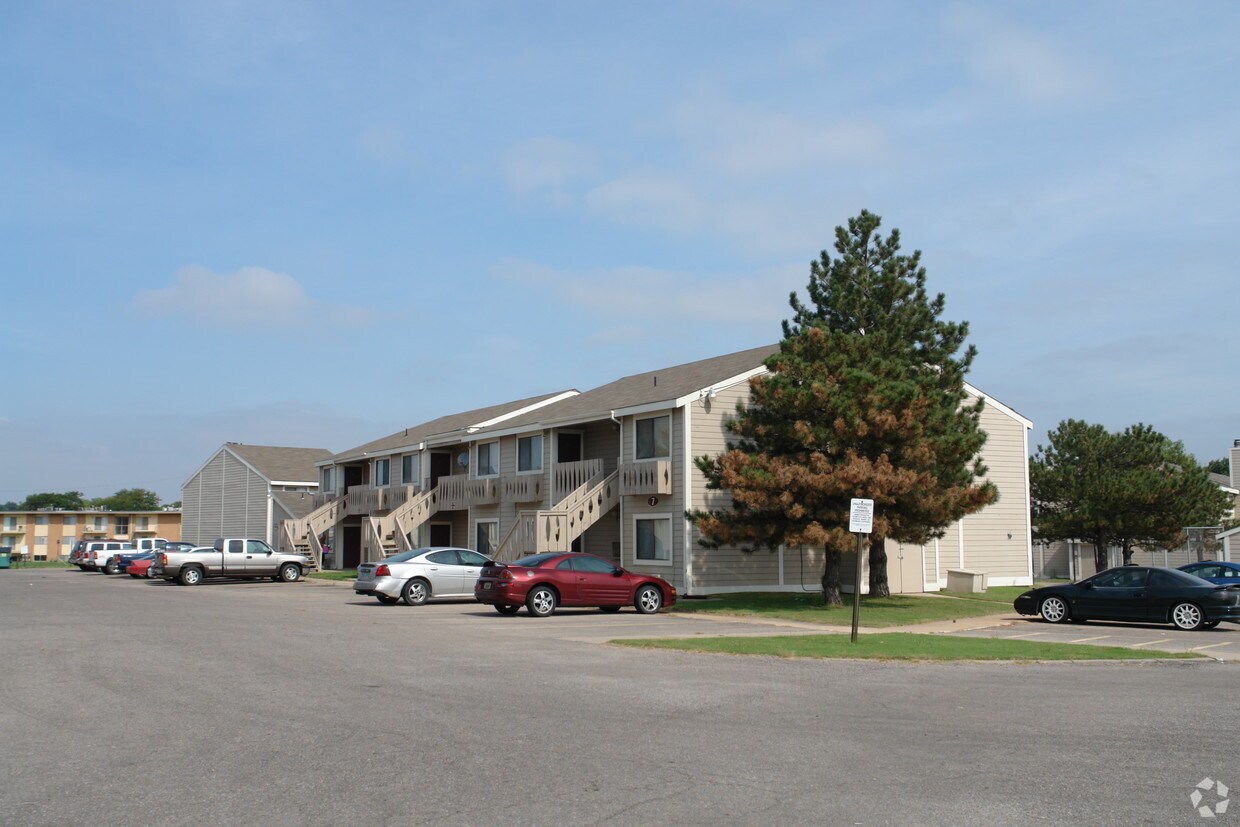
pixel 505 575
pixel 383 571
pixel 94 555
pixel 163 559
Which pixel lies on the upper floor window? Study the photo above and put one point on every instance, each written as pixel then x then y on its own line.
pixel 411 469
pixel 382 472
pixel 144 523
pixel 70 520
pixel 529 453
pixel 327 479
pixel 122 525
pixel 40 519
pixel 654 438
pixel 488 459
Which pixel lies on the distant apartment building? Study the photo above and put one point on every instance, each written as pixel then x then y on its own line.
pixel 50 535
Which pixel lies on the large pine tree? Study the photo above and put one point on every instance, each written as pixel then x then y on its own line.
pixel 866 398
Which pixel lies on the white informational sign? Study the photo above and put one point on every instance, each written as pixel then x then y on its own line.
pixel 861 517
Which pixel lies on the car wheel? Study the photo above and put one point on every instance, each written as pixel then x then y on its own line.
pixel 541 602
pixel 505 609
pixel 387 600
pixel 110 567
pixel 1054 609
pixel 131 574
pixel 190 577
pixel 1187 616
pixel 83 568
pixel 290 572
pixel 649 600
pixel 1209 624
pixel 609 609
pixel 416 592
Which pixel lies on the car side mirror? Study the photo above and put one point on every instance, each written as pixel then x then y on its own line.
pixel 1087 585
pixel 618 572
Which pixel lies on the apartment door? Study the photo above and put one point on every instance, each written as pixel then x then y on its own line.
pixel 441 466
pixel 354 475
pixel 441 534
pixel 567 446
pixel 351 546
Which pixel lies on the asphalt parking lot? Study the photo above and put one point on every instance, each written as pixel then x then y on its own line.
pixel 130 702
pixel 1222 642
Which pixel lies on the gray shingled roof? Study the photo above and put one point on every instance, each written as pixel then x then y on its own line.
pixel 644 388
pixel 1220 479
pixel 275 463
pixel 296 503
pixel 444 424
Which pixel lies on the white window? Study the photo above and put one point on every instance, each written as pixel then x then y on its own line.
pixel 411 469
pixel 144 523
pixel 487 534
pixel 41 519
pixel 488 459
pixel 383 472
pixel 40 541
pixel 122 525
pixel 70 520
pixel 653 536
pixel 653 438
pixel 529 454
pixel 10 523
pixel 101 523
pixel 327 479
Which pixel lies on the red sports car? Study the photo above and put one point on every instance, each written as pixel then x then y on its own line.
pixel 140 568
pixel 542 582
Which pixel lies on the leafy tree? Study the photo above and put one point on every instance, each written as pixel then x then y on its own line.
pixel 131 499
pixel 69 501
pixel 176 504
pixel 10 506
pixel 1219 466
pixel 865 399
pixel 1135 489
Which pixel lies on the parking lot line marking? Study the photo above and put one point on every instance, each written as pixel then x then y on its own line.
pixel 1083 639
pixel 1026 634
pixel 1211 646
pixel 1152 642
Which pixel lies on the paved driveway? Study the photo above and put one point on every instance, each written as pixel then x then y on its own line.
pixel 128 702
pixel 1222 642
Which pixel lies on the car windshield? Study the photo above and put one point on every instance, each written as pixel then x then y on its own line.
pixel 536 559
pixel 403 557
pixel 1186 579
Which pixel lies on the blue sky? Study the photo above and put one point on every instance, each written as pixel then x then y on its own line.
pixel 316 223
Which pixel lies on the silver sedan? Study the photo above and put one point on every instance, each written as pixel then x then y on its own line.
pixel 421 574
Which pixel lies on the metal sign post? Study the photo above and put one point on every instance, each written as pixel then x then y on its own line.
pixel 860 522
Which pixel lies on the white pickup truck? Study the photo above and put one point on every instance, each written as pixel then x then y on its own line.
pixel 233 558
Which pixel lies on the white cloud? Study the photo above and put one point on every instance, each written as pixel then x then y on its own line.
pixel 615 296
pixel 1022 61
pixel 547 164
pixel 250 297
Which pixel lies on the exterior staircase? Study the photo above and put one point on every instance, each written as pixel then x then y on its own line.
pixel 302 536
pixel 556 528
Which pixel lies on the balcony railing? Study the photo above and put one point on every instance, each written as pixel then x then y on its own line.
pixel 366 499
pixel 322 498
pixel 650 477
pixel 567 477
pixel 459 491
pixel 526 488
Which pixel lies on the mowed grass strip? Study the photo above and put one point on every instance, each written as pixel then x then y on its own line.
pixel 876 612
pixel 332 574
pixel 900 646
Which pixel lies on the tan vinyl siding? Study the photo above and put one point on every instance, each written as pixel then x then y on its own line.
pixel 669 505
pixel 602 537
pixel 191 508
pixel 210 500
pixel 996 538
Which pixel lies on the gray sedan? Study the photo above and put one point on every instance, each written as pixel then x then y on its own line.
pixel 421 574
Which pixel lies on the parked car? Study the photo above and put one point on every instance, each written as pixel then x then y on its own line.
pixel 141 566
pixel 126 561
pixel 421 574
pixel 543 582
pixel 180 545
pixel 1136 593
pixel 80 554
pixel 102 555
pixel 1224 574
pixel 231 558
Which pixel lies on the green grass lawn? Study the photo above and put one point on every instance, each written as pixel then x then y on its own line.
pixel 878 612
pixel 995 594
pixel 331 574
pixel 900 646
pixel 41 564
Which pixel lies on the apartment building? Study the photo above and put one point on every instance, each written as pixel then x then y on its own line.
pixel 610 471
pixel 50 535
pixel 249 491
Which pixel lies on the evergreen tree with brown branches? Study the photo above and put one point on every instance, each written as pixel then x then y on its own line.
pixel 865 399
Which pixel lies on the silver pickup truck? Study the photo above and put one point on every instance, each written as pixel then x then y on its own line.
pixel 230 558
